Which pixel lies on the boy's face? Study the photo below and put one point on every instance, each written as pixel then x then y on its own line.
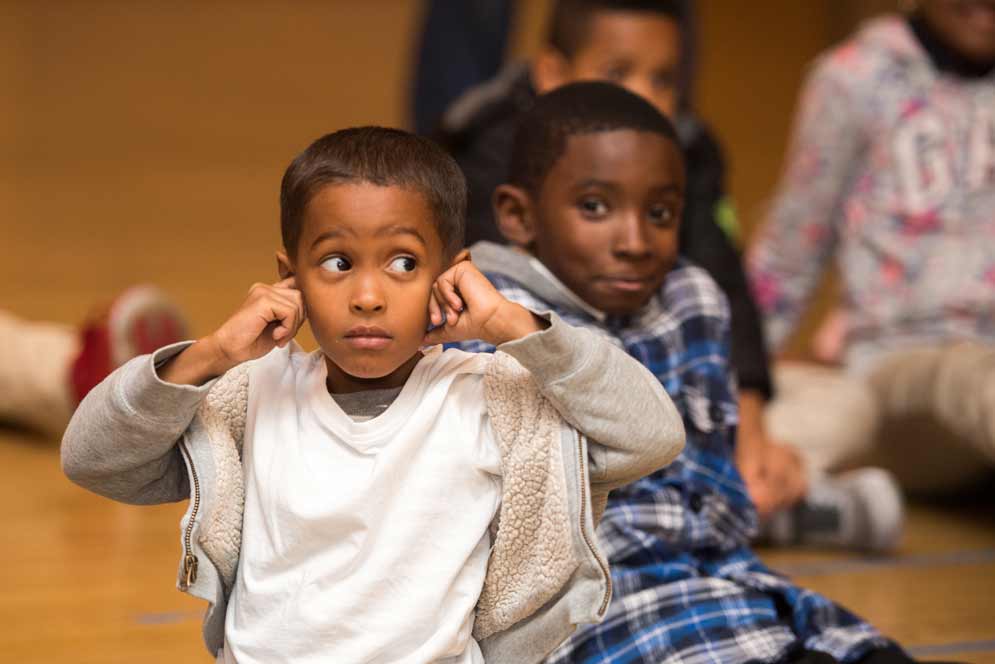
pixel 967 26
pixel 639 51
pixel 607 216
pixel 366 260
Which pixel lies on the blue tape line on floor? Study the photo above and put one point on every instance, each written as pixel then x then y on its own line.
pixel 976 557
pixel 952 648
pixel 168 617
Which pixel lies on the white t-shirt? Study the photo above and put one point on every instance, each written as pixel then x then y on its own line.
pixel 363 541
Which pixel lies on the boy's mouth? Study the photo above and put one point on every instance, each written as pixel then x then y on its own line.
pixel 626 284
pixel 363 337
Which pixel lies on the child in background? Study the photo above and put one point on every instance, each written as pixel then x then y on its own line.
pixel 638 44
pixel 46 369
pixel 592 210
pixel 891 171
pixel 371 501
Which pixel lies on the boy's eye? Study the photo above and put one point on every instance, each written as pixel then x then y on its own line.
pixel 662 215
pixel 593 207
pixel 616 73
pixel 664 81
pixel 403 264
pixel 336 264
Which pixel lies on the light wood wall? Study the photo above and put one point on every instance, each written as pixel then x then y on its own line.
pixel 150 136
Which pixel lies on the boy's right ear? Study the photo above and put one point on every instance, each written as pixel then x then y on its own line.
pixel 514 215
pixel 284 266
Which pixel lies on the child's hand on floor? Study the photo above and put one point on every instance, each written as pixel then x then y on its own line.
pixel 270 316
pixel 773 472
pixel 474 309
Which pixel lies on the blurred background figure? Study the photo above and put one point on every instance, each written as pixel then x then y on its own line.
pixel 891 174
pixel 462 43
pixel 641 45
pixel 47 368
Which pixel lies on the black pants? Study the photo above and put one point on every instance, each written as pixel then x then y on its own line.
pixel 890 655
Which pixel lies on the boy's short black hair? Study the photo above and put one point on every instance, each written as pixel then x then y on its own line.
pixel 580 108
pixel 571 19
pixel 380 156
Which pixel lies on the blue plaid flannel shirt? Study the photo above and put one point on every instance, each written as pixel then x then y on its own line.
pixel 687 586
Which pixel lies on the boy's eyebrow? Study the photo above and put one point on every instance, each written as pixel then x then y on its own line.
pixel 668 188
pixel 593 182
pixel 389 230
pixel 403 230
pixel 333 233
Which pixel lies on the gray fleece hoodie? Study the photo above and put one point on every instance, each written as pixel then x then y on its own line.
pixel 140 440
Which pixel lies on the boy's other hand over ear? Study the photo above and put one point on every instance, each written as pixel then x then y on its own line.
pixel 270 316
pixel 474 309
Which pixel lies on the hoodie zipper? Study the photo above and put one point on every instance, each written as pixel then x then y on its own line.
pixel 189 559
pixel 583 531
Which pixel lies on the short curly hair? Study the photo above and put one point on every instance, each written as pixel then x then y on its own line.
pixel 570 22
pixel 380 156
pixel 578 108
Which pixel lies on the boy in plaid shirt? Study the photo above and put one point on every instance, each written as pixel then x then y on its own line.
pixel 592 207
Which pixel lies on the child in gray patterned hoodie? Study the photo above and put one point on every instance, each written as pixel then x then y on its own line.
pixel 891 173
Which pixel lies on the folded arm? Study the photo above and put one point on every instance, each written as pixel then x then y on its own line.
pixel 605 394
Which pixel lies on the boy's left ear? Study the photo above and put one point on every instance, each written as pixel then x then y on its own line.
pixel 284 266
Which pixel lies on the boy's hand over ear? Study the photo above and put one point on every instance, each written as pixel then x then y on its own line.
pixel 270 316
pixel 474 309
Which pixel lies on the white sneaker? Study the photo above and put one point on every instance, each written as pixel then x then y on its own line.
pixel 862 509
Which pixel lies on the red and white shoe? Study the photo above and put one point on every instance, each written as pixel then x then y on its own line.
pixel 139 321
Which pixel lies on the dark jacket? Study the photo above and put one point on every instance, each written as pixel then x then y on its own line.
pixel 478 130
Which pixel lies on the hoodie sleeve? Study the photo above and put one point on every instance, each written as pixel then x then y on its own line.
pixel 801 232
pixel 122 441
pixel 605 394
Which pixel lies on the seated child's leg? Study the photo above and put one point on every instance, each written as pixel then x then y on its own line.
pixel 937 406
pixel 34 373
pixel 728 604
pixel 47 368
pixel 831 419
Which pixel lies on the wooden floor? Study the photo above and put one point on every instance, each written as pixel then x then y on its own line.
pixel 145 142
pixel 84 579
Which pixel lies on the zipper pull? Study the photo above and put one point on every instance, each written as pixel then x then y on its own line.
pixel 189 571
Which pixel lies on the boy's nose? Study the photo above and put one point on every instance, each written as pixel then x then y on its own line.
pixel 367 298
pixel 641 87
pixel 365 306
pixel 631 240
